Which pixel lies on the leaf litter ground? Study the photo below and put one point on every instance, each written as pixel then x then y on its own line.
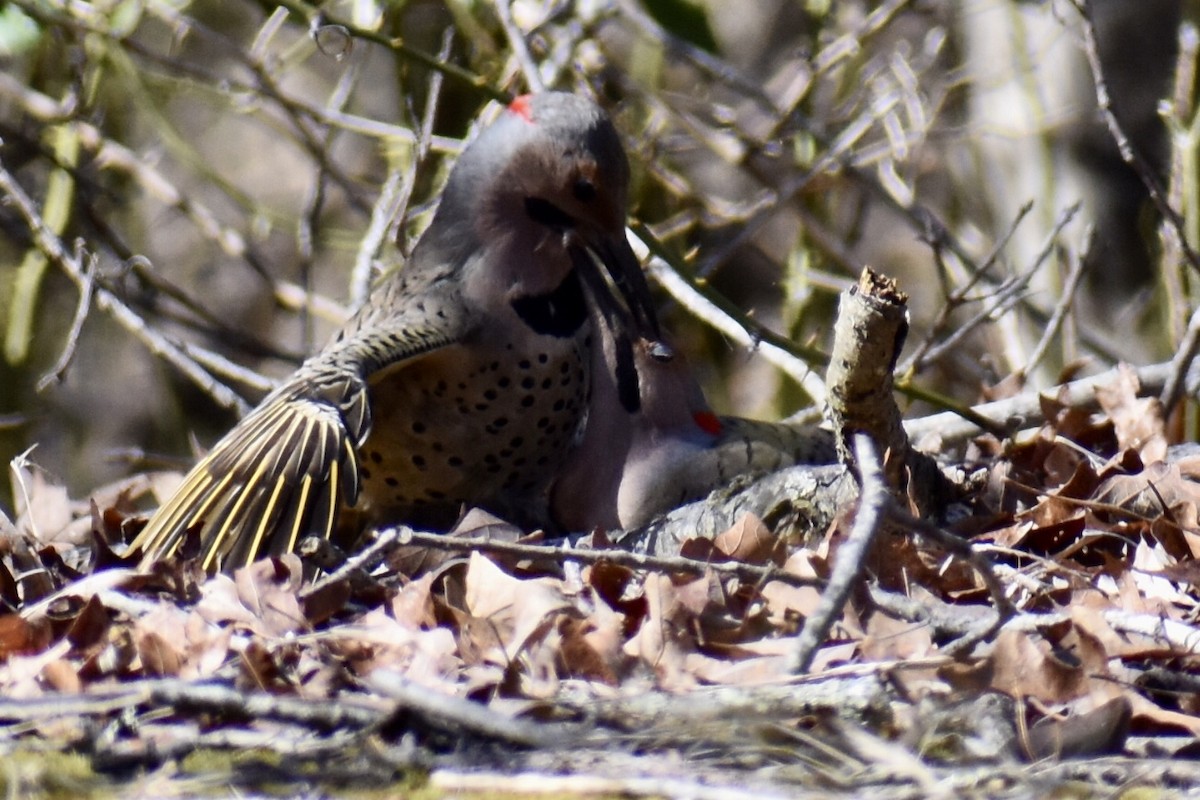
pixel 487 661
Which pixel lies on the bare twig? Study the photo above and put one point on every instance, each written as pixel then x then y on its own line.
pixel 309 135
pixel 460 716
pixel 1129 153
pixel 396 193
pixel 1024 410
pixel 919 359
pixel 382 214
pixel 1181 363
pixel 86 291
pixel 625 558
pixel 52 246
pixel 397 44
pixel 1007 294
pixel 1061 308
pixel 1183 136
pixel 848 566
pixel 710 64
pixel 706 306
pixel 970 628
pixel 360 564
pixel 262 705
pixel 516 40
pixel 221 366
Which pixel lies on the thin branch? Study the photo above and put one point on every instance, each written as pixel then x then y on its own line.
pixel 1181 364
pixel 86 292
pixel 624 558
pixel 1025 411
pixel 717 312
pixel 1061 308
pixel 395 43
pixel 1008 293
pixel 309 135
pixel 516 39
pixel 221 366
pixel 848 565
pixel 919 359
pixel 396 193
pixel 1129 154
pixel 964 550
pixel 1180 120
pixel 52 246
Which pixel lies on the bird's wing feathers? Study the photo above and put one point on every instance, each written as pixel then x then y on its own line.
pixel 284 471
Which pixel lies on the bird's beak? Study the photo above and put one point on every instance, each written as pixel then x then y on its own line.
pixel 612 250
pixel 624 274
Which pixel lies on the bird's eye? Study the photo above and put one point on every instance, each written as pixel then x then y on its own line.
pixel 548 214
pixel 584 190
pixel 661 352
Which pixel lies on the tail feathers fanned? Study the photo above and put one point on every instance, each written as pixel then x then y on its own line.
pixel 281 474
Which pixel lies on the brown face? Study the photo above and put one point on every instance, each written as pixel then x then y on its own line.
pixel 572 177
pixel 570 188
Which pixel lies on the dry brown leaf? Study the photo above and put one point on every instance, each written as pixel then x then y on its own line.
pixel 19 636
pixel 580 659
pixel 742 672
pixel 1138 421
pixel 269 589
pixel 605 633
pixel 90 624
pixel 21 676
pixel 207 647
pixel 1025 665
pixel 787 605
pixel 887 638
pixel 620 589
pixel 159 658
pixel 220 604
pixel 62 676
pixel 378 640
pixel 749 541
pixel 517 611
pixel 412 606
pixel 662 642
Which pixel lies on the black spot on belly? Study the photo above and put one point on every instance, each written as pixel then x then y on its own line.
pixel 557 313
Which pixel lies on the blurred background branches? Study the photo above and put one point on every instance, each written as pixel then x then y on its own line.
pixel 212 185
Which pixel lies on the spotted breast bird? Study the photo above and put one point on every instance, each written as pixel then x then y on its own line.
pixel 465 378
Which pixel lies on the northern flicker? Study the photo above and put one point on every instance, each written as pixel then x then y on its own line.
pixel 632 466
pixel 464 380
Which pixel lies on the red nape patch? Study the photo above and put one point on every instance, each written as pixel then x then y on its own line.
pixel 521 107
pixel 708 422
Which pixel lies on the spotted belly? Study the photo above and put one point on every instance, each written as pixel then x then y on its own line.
pixel 464 428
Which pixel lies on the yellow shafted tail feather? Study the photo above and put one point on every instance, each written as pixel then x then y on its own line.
pixel 282 472
pixel 292 463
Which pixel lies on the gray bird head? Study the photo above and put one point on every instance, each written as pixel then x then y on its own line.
pixel 549 181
